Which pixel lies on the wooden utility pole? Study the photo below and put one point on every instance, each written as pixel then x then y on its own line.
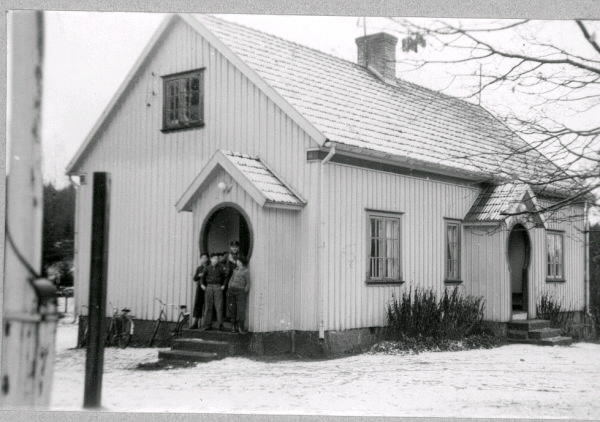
pixel 29 311
pixel 94 362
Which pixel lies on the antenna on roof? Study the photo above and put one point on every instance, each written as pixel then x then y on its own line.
pixel 365 26
pixel 479 96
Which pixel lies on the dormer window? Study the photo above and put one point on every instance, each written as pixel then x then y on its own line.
pixel 183 100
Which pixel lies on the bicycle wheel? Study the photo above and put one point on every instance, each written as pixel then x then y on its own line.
pixel 182 321
pixel 154 332
pixel 84 339
pixel 110 333
pixel 122 335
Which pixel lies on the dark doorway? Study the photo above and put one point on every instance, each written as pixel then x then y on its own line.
pixel 224 224
pixel 518 261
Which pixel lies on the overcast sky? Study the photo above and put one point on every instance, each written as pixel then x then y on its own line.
pixel 88 54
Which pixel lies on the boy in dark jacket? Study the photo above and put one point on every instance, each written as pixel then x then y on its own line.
pixel 229 262
pixel 215 277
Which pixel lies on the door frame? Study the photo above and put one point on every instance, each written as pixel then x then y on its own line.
pixel 526 266
pixel 216 209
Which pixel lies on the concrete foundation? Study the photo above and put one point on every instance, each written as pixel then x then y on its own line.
pixel 308 343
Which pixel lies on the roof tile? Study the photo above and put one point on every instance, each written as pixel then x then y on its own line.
pixel 351 106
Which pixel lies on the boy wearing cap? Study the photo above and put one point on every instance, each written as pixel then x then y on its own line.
pixel 238 287
pixel 229 262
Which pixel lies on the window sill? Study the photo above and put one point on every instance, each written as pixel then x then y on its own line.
pixel 383 282
pixel 556 280
pixel 178 129
pixel 447 281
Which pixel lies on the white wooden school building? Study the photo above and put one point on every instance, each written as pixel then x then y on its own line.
pixel 344 184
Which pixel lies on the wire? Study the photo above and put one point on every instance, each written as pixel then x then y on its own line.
pixel 20 257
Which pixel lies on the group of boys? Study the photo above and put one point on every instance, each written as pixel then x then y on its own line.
pixel 214 278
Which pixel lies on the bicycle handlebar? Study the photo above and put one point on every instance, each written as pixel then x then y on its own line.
pixel 164 304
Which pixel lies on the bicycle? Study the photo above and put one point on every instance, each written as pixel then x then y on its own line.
pixel 120 328
pixel 84 338
pixel 182 320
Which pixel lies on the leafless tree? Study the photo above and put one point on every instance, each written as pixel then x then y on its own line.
pixel 544 77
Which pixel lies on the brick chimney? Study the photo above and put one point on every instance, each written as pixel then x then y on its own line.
pixel 377 52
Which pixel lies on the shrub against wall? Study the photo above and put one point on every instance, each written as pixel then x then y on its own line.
pixel 559 316
pixel 595 276
pixel 420 314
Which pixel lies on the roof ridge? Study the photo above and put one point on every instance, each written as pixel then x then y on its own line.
pixel 341 59
pixel 285 40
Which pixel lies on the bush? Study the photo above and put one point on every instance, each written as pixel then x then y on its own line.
pixel 595 319
pixel 551 309
pixel 420 315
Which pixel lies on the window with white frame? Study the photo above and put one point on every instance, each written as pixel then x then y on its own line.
pixel 183 102
pixel 384 248
pixel 555 256
pixel 452 250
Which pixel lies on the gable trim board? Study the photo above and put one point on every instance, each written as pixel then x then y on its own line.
pixel 170 20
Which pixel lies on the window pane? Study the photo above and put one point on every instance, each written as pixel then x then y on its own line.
pixel 389 234
pixel 452 251
pixel 559 255
pixel 550 248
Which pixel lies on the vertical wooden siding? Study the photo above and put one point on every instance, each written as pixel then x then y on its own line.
pixel 153 249
pixel 570 292
pixel 485 269
pixel 349 301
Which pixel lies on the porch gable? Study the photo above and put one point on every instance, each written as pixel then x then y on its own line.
pixel 262 183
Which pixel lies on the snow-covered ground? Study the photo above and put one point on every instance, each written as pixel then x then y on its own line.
pixel 516 381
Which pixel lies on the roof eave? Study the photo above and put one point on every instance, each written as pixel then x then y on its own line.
pixel 478 177
pixel 284 206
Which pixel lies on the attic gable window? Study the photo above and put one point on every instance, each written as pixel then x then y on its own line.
pixel 183 100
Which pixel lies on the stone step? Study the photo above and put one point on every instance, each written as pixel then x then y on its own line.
pixel 518 316
pixel 214 346
pixel 216 335
pixel 516 335
pixel 551 341
pixel 188 355
pixel 556 341
pixel 528 325
pixel 543 333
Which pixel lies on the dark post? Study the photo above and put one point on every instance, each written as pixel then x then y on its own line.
pixel 94 363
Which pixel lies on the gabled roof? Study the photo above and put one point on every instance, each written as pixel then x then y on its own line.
pixel 339 103
pixel 355 109
pixel 496 203
pixel 253 175
pixel 167 23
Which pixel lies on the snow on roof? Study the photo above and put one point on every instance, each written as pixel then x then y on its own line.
pixel 264 179
pixel 496 202
pixel 351 106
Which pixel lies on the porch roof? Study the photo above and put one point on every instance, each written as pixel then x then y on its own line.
pixel 252 174
pixel 495 203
